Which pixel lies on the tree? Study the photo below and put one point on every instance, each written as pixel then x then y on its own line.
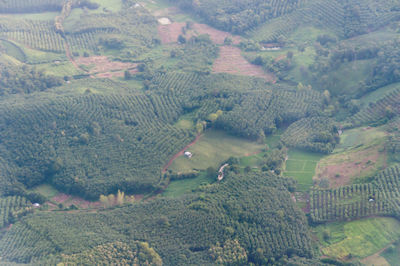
pixel 104 200
pixel 181 39
pixel 127 75
pixel 120 197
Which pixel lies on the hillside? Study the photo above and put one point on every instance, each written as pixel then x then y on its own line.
pixel 175 132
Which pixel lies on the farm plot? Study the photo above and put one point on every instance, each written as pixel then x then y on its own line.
pixel 359 238
pixel 343 168
pixel 212 149
pixel 301 166
pixel 231 61
pixel 104 68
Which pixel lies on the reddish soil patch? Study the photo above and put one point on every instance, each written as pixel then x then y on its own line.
pixel 279 58
pixel 61 198
pixel 114 74
pixel 353 165
pixel 231 61
pixel 180 153
pixel 101 64
pixel 217 36
pixel 170 33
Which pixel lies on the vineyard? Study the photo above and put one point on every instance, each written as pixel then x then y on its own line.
pixel 380 197
pixel 35 34
pixel 345 18
pixel 182 231
pixel 317 134
pixel 378 112
pixel 136 130
pixel 230 16
pixel 11 208
pixel 30 6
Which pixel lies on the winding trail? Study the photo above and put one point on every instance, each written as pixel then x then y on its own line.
pixel 180 153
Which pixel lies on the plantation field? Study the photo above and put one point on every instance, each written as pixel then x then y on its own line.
pixel 392 254
pixel 359 238
pixel 212 149
pixel 378 94
pixel 301 166
pixel 231 61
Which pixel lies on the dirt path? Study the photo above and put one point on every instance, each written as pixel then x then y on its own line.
pixel 180 153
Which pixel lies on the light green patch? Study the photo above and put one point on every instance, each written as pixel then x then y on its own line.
pixel 301 166
pixel 60 69
pixel 184 124
pixel 212 149
pixel 179 187
pixel 13 50
pixel 39 57
pixel 359 136
pixel 341 82
pixel 378 94
pixel 46 190
pixel 359 238
pixel 34 16
pixel 308 35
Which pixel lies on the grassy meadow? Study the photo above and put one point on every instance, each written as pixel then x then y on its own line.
pixel 360 238
pixel 301 166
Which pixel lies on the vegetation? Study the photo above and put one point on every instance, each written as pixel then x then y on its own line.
pixel 183 230
pixel 100 99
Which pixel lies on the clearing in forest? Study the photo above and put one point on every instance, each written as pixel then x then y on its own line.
pixel 169 32
pixel 102 67
pixel 231 61
pixel 212 149
pixel 301 166
pixel 361 161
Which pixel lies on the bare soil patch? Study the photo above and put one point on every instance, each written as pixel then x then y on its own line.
pixel 341 169
pixel 217 36
pixel 231 61
pixel 101 64
pixel 170 33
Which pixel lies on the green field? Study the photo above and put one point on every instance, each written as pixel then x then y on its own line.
pixel 359 238
pixel 358 136
pixel 13 50
pixel 301 166
pixel 46 190
pixel 179 187
pixel 392 254
pixel 212 149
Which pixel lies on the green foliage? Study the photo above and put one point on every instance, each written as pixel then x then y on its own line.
pixel 231 16
pixel 317 134
pixel 380 197
pixel 69 134
pixel 11 208
pixel 24 79
pixel 249 204
pixel 135 253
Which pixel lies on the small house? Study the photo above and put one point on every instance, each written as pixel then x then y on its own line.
pixel 188 154
pixel 36 205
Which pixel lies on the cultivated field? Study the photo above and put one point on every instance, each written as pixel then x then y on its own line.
pixel 231 61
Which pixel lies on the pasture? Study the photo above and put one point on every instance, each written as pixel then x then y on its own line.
pixel 213 148
pixel 301 166
pixel 180 187
pixel 360 238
